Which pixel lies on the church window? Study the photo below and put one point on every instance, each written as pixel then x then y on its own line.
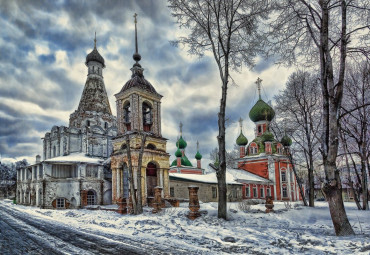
pixel 285 192
pixel 172 192
pixel 92 171
pixel 255 192
pixel 93 70
pixel 54 151
pixel 88 123
pixel 147 116
pixel 214 192
pixel 283 176
pixel 235 194
pixel 259 129
pixel 262 192
pixel 127 116
pixel 60 202
pixel 91 198
pixel 64 171
pixel 105 125
pixel 247 193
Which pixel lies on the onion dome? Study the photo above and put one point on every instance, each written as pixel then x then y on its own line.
pixel 181 143
pixel 286 141
pixel 198 156
pixel 178 153
pixel 95 55
pixel 261 111
pixel 241 140
pixel 184 162
pixel 267 137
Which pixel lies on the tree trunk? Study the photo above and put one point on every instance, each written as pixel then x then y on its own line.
pixel 221 173
pixel 296 177
pixel 131 175
pixel 139 177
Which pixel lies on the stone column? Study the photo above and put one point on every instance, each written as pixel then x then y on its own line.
pixel 114 185
pixel 166 185
pixel 193 203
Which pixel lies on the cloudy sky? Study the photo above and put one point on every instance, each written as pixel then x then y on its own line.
pixel 43 46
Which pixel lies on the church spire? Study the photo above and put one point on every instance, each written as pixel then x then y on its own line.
pixel 95 41
pixel 136 55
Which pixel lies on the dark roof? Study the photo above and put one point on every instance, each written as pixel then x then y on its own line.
pixel 137 80
pixel 95 56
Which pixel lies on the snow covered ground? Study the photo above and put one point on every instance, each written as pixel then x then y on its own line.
pixel 299 230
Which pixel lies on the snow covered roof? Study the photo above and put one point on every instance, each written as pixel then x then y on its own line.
pixel 76 157
pixel 205 178
pixel 243 175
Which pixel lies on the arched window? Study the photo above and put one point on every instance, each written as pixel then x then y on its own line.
pixel 283 176
pixel 105 125
pixel 54 151
pixel 127 115
pixel 91 198
pixel 151 146
pixel 147 116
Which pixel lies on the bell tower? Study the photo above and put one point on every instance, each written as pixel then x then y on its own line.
pixel 138 115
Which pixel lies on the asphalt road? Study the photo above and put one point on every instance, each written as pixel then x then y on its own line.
pixel 20 233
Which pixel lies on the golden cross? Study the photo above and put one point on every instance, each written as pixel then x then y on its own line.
pixel 135 15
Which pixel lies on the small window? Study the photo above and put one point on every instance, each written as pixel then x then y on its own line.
pixel 60 202
pixel 172 192
pixel 127 113
pixel 88 123
pixel 255 192
pixel 105 125
pixel 259 129
pixel 91 198
pixel 235 194
pixel 92 171
pixel 285 192
pixel 262 192
pixel 124 146
pixel 247 193
pixel 283 176
pixel 214 192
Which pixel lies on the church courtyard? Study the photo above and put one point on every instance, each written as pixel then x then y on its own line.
pixel 298 230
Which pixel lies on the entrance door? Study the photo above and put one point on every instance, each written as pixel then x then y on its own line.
pixel 91 199
pixel 151 179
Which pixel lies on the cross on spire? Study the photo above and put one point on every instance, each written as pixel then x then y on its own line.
pixel 95 41
pixel 241 123
pixel 135 21
pixel 258 82
pixel 197 145
pixel 180 128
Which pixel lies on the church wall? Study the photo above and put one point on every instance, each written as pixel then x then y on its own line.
pixel 258 167
pixel 205 193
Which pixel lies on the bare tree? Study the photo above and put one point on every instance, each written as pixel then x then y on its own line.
pixel 298 110
pixel 355 122
pixel 230 31
pixel 136 196
pixel 324 32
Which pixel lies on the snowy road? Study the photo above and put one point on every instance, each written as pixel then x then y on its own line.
pixel 21 234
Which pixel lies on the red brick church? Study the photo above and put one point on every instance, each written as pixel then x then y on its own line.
pixel 266 157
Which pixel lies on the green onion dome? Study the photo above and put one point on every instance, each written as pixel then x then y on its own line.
pixel 286 141
pixel 261 111
pixel 241 140
pixel 267 137
pixel 198 156
pixel 178 153
pixel 181 143
pixel 184 162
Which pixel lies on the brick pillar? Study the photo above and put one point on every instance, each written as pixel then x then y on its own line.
pixel 193 202
pixel 157 199
pixel 199 165
pixel 242 151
